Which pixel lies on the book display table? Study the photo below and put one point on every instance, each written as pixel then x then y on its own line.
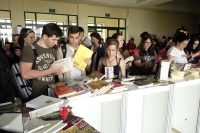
pixel 157 109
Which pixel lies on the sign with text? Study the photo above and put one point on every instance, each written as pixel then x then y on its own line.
pixel 52 10
pixel 107 15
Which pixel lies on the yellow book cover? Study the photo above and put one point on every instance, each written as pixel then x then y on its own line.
pixel 81 54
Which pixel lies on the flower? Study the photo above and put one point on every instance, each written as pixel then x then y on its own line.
pixel 64 112
pixel 158 58
pixel 130 51
pixel 134 52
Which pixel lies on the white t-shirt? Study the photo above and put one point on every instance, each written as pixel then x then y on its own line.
pixel 87 41
pixel 179 56
pixel 75 72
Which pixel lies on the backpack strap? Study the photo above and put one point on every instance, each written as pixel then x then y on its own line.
pixel 64 50
pixel 34 62
pixel 35 55
pixel 84 39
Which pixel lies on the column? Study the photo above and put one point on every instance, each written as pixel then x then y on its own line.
pixel 17 14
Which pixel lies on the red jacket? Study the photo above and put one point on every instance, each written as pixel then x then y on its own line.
pixel 130 46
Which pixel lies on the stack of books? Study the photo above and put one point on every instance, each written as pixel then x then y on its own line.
pixel 99 87
pixel 71 90
pixel 118 87
pixel 47 119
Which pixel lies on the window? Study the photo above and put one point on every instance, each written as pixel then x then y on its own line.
pixel 106 26
pixel 5 27
pixel 36 21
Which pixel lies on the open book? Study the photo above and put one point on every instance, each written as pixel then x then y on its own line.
pixel 37 125
pixel 85 92
pixel 43 101
pixel 66 63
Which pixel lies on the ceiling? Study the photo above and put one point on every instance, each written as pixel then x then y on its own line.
pixel 184 6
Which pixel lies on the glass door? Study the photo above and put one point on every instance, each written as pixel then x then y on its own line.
pixel 111 31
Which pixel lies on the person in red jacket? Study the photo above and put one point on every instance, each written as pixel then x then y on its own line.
pixel 131 45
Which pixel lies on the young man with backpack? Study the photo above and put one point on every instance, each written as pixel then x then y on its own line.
pixel 43 73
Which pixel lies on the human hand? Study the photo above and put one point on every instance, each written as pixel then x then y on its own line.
pixel 147 64
pixel 88 61
pixel 154 69
pixel 56 69
pixel 129 64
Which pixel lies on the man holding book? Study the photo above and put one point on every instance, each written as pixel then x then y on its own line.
pixel 71 48
pixel 43 72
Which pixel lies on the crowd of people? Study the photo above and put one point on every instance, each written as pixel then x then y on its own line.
pixel 140 60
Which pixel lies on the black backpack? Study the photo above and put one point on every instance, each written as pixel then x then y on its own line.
pixel 23 87
pixel 6 86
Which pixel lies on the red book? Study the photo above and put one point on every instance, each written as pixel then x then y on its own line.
pixel 64 91
pixel 117 86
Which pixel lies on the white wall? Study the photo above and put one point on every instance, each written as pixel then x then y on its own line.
pixel 159 23
pixel 43 7
pixel 137 21
pixel 4 5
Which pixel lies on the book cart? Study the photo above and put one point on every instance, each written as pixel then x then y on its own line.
pixel 162 109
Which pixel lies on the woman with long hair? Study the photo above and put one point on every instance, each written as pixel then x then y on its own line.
pixel 176 52
pixel 192 50
pixel 125 54
pixel 98 51
pixel 26 37
pixel 111 59
pixel 120 52
pixel 145 57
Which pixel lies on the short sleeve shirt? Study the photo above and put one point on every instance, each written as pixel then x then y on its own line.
pixel 179 55
pixel 46 57
pixel 143 58
pixel 87 41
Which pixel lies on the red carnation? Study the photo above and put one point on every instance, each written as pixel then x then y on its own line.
pixel 64 112
pixel 135 52
pixel 158 58
pixel 130 51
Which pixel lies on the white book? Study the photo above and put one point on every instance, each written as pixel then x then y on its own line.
pixel 164 70
pixel 144 86
pixel 54 124
pixel 58 128
pixel 66 63
pixel 128 79
pixel 43 101
pixel 38 125
pixel 44 111
pixel 109 72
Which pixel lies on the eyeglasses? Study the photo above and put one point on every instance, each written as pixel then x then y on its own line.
pixel 29 32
